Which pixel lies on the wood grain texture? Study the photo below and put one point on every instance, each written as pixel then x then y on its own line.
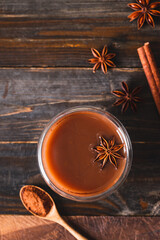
pixel 29 98
pixel 94 228
pixel 62 8
pixel 61 33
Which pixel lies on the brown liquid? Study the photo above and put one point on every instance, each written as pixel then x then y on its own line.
pixel 68 157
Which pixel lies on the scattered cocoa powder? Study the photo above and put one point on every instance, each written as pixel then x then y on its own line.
pixel 36 200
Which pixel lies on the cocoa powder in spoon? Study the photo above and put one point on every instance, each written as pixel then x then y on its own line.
pixel 36 200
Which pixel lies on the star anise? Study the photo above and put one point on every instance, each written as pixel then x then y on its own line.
pixel 143 11
pixel 108 151
pixel 127 98
pixel 102 59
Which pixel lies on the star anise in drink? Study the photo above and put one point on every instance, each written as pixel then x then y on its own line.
pixel 108 151
pixel 143 11
pixel 102 59
pixel 127 98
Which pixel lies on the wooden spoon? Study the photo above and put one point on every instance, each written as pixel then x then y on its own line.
pixel 52 214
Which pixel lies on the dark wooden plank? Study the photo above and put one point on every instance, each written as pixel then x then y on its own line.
pixel 59 33
pixel 61 8
pixel 94 228
pixel 58 43
pixel 139 195
pixel 30 97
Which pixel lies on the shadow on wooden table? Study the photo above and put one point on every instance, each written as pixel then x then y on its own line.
pixel 18 227
pixel 46 231
pixel 31 228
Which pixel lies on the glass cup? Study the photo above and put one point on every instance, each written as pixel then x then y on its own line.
pixel 123 135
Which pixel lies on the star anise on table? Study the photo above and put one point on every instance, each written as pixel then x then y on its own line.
pixel 102 59
pixel 127 98
pixel 108 151
pixel 143 11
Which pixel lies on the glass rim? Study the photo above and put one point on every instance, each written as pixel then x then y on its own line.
pixel 127 142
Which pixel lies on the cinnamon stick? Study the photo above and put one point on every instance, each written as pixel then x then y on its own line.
pixel 151 72
pixel 152 64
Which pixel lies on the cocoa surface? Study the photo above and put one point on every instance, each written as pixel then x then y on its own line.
pixel 37 201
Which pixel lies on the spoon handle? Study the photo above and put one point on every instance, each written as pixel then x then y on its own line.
pixel 69 228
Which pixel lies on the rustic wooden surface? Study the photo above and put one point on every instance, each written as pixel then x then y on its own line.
pixel 44 48
pixel 94 228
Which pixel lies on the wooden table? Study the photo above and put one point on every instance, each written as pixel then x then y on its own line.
pixel 44 51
